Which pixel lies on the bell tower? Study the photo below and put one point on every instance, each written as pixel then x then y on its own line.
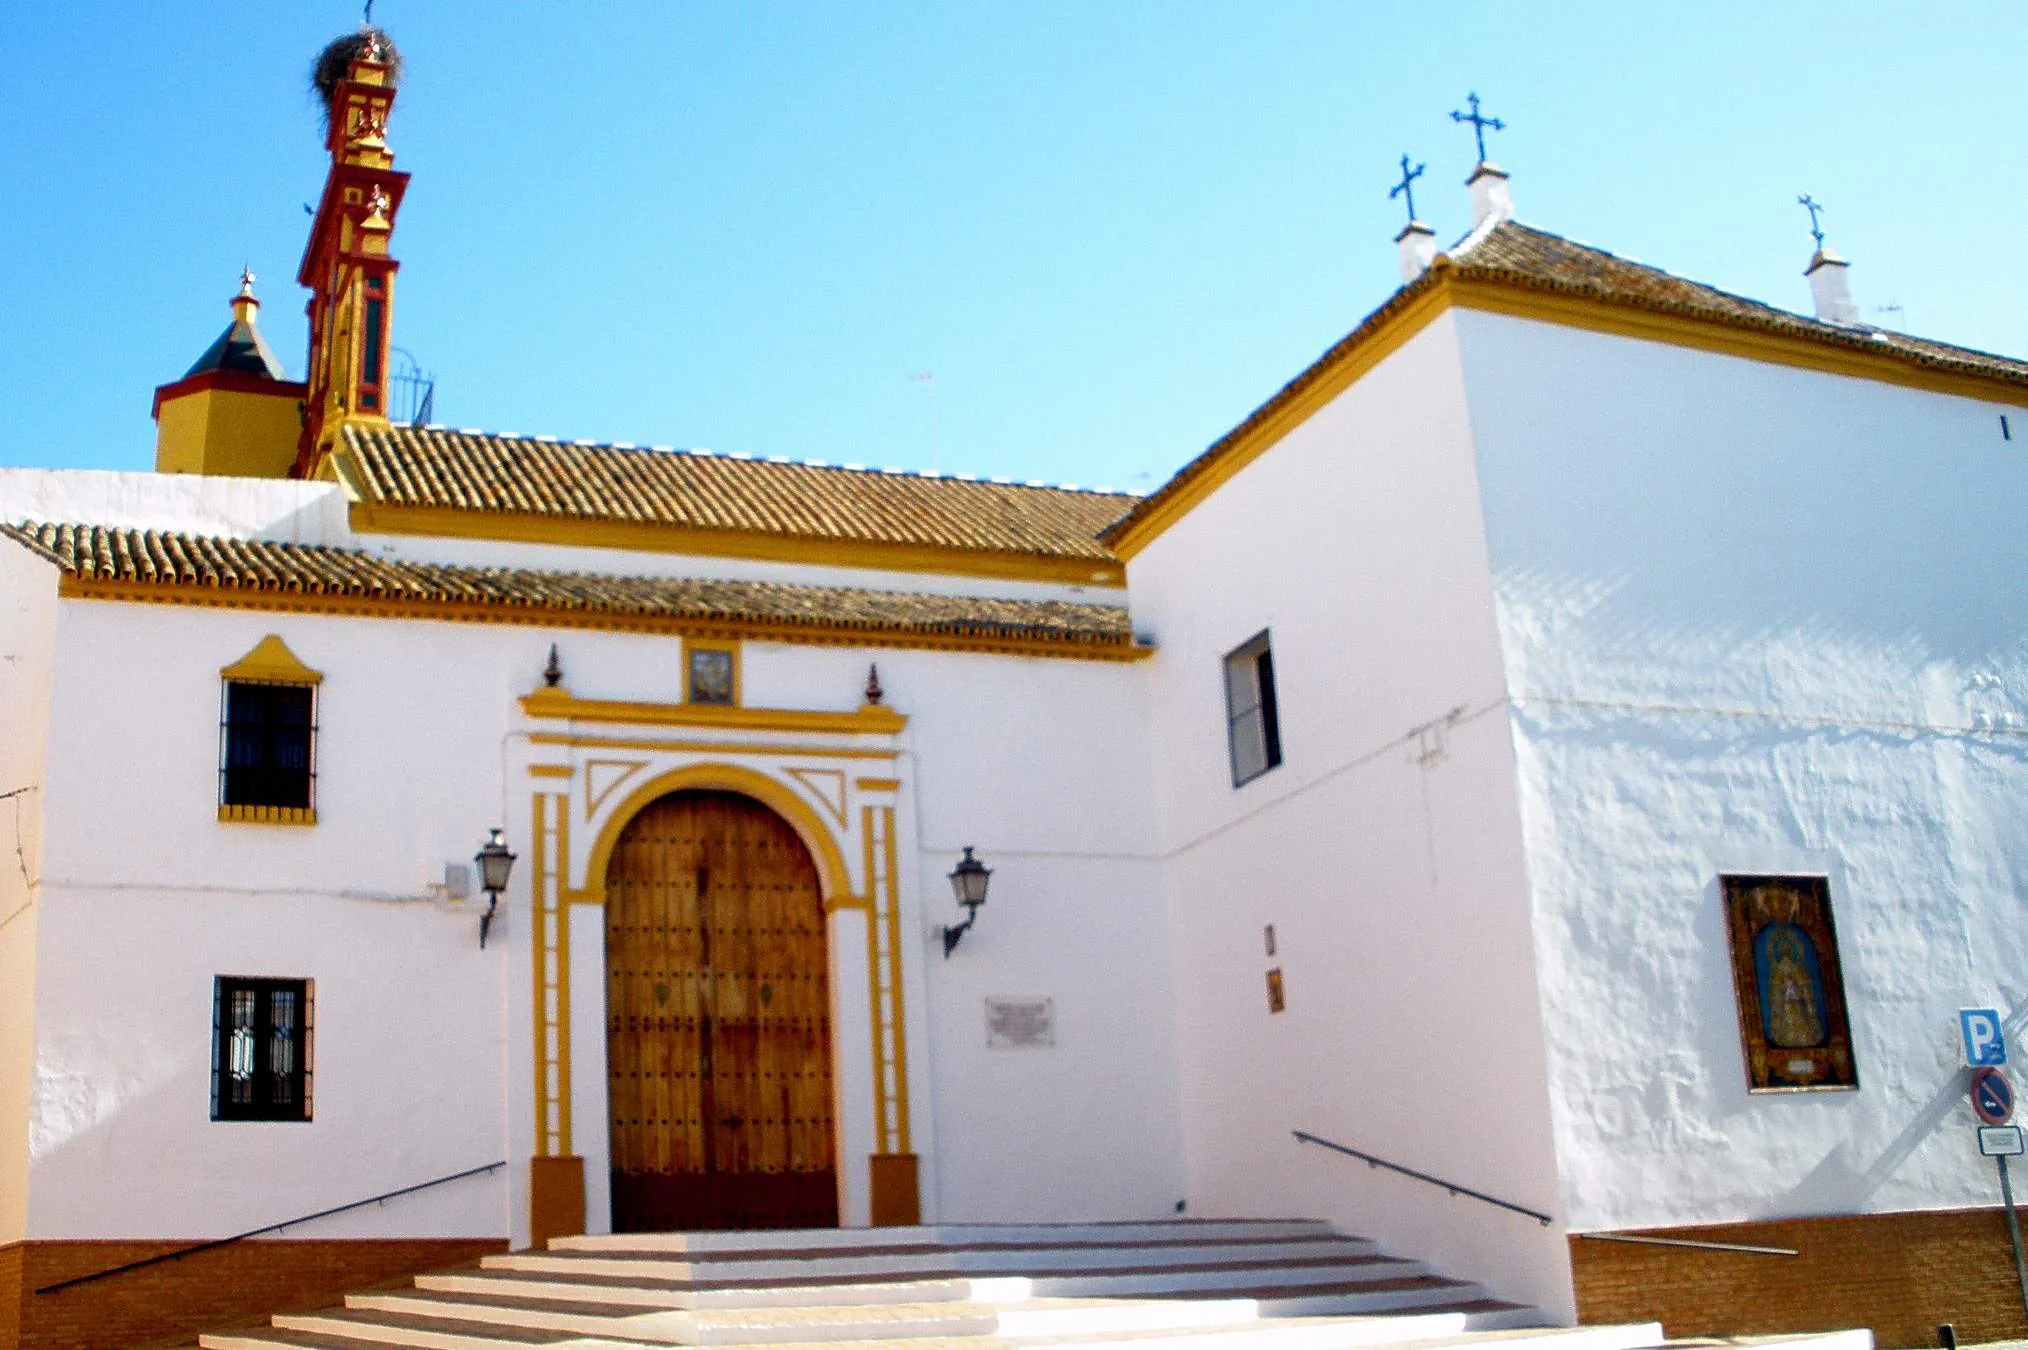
pixel 347 266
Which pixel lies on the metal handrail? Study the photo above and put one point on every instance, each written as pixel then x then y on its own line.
pixel 1453 1187
pixel 1694 1244
pixel 192 1250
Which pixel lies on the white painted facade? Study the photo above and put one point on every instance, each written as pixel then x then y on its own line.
pixel 422 1038
pixel 1394 887
pixel 1756 619
pixel 1565 626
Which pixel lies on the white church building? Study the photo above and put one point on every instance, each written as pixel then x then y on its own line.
pixel 1571 742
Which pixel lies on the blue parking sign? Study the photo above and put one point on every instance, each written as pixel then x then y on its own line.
pixel 1985 1042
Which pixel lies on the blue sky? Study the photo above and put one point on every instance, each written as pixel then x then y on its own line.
pixel 1110 229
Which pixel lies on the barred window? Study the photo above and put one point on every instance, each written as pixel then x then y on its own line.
pixel 260 1063
pixel 267 737
pixel 1253 731
pixel 267 746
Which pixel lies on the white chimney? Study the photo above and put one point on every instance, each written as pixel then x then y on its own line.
pixel 1492 199
pixel 1418 249
pixel 1831 288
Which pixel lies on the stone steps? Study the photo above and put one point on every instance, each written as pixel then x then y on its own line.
pixel 1187 1285
pixel 1237 1279
pixel 915 1259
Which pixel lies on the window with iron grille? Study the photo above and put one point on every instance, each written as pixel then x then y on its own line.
pixel 267 764
pixel 260 1049
pixel 1253 731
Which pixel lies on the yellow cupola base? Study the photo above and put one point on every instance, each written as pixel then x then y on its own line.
pixel 234 413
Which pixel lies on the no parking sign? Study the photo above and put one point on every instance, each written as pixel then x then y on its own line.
pixel 1992 1096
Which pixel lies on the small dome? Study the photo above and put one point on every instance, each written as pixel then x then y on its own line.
pixel 241 348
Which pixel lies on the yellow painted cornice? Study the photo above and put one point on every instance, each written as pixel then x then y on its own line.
pixel 72 587
pixel 1517 295
pixel 1857 357
pixel 650 537
pixel 1298 401
pixel 557 704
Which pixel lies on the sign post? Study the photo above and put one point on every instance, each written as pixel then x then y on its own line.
pixel 1993 1103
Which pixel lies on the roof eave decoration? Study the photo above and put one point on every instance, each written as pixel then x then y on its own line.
pixel 1777 338
pixel 469 484
pixel 160 567
pixel 601 532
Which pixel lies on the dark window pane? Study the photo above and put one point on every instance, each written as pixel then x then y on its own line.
pixel 267 744
pixel 1252 731
pixel 262 1054
pixel 376 318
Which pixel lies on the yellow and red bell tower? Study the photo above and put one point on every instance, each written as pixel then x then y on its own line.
pixel 347 266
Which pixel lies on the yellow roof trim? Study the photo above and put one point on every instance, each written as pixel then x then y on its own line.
pixel 270 662
pixel 870 719
pixel 72 587
pixel 1451 283
pixel 653 537
pixel 1331 376
pixel 1517 298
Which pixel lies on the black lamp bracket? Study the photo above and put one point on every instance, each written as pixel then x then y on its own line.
pixel 955 933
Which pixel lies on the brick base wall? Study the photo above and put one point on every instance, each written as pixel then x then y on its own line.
pixel 1898 1274
pixel 169 1303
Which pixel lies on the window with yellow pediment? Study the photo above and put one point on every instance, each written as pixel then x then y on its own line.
pixel 267 738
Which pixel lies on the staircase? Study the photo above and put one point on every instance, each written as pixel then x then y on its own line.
pixel 1190 1285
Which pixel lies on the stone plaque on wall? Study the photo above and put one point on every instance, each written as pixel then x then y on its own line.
pixel 1020 1023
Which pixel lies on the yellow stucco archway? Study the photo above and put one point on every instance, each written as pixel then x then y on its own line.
pixel 772 793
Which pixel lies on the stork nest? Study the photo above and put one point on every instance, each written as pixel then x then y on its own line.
pixel 337 58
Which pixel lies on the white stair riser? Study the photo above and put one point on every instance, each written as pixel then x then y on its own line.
pixel 937 1261
pixel 781 1296
pixel 987 1289
pixel 648 1324
pixel 684 1328
pixel 420 1338
pixel 1379 1301
pixel 1055 1235
pixel 1331 1336
pixel 1400 1330
pixel 1152 1283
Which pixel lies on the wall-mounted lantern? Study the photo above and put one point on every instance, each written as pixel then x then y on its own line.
pixel 968 883
pixel 495 865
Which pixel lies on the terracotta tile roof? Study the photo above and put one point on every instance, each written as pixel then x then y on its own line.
pixel 150 564
pixel 1512 251
pixel 1522 257
pixel 471 471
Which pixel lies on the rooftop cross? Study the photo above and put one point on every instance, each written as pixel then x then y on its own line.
pixel 246 279
pixel 1813 206
pixel 1479 124
pixel 1406 187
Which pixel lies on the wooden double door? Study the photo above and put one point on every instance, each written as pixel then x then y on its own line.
pixel 718 1030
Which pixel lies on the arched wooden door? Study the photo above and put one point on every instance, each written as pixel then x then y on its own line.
pixel 718 1040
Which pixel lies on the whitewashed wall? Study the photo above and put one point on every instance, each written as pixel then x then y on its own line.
pixel 423 1041
pixel 28 607
pixel 1413 1026
pixel 1757 619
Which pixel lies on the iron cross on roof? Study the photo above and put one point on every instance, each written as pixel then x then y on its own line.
pixel 1813 206
pixel 1479 124
pixel 1406 187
